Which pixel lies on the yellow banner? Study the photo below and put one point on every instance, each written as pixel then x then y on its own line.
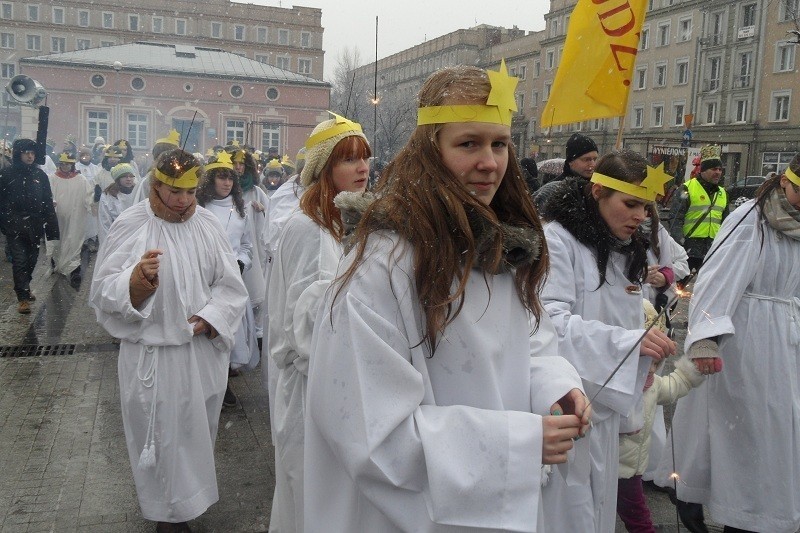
pixel 595 71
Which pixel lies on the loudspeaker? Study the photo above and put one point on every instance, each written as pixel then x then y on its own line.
pixel 26 90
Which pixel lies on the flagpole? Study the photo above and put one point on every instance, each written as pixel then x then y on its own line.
pixel 618 144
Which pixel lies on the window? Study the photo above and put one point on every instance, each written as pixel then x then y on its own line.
pixel 283 36
pixel 106 44
pixel 58 44
pixel 34 42
pixel 8 70
pixel 238 32
pixel 262 58
pixel 272 93
pixel 678 110
pixel 305 39
pixel 660 75
pixel 97 124
pixel 745 67
pixel 158 24
pixel 304 66
pixel 740 109
pixel 108 20
pixel 520 97
pixel 97 81
pixel 748 15
pixel 711 113
pixel 638 117
pixel 663 34
pixel 658 115
pixel 282 62
pixel 261 35
pixel 788 10
pixel 684 29
pixel 236 91
pixel 180 26
pixel 546 91
pixel 553 27
pixel 7 40
pixel 641 78
pixel 137 130
pixel 270 136
pixel 137 83
pixel 784 58
pixel 775 161
pixel 234 131
pixel 597 124
pixel 6 10
pixel 714 65
pixel 537 68
pixel 83 44
pixel 216 30
pixel 716 28
pixel 133 22
pixel 550 59
pixel 681 71
pixel 33 13
pixel 83 18
pixel 58 15
pixel 534 98
pixel 522 72
pixel 644 39
pixel 779 107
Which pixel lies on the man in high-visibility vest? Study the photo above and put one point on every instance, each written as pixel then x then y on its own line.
pixel 699 207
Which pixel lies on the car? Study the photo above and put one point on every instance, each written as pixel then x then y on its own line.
pixel 742 190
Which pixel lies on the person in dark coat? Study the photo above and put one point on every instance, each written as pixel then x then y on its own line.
pixel 531 173
pixel 581 158
pixel 27 214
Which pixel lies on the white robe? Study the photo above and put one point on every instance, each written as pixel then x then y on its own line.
pixel 73 198
pixel 245 350
pixel 90 173
pixel 736 437
pixel 110 208
pixel 161 358
pixel 256 277
pixel 596 328
pixel 305 263
pixel 397 440
pixel 142 189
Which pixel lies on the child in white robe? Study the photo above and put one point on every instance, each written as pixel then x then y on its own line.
pixel 167 285
pixel 429 396
pixel 115 199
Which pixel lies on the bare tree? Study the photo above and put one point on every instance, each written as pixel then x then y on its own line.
pixel 349 93
pixel 396 121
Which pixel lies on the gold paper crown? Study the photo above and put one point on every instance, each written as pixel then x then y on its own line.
pixel 238 156
pixel 274 165
pixel 65 157
pixel 341 125
pixel 650 188
pixel 711 151
pixel 223 161
pixel 498 108
pixel 113 151
pixel 286 161
pixel 173 138
pixel 186 180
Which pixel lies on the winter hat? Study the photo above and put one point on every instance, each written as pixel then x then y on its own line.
pixel 322 141
pixel 99 140
pixel 85 150
pixel 710 157
pixel 577 145
pixel 120 170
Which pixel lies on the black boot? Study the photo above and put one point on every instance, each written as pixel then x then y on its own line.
pixel 692 516
pixel 75 278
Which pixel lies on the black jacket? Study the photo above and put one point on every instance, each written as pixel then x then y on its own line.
pixel 26 201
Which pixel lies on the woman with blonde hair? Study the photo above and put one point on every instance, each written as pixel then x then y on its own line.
pixel 428 402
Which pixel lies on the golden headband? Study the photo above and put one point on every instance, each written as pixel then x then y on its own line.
pixel 650 188
pixel 342 125
pixel 223 161
pixel 187 180
pixel 498 108
pixel 791 176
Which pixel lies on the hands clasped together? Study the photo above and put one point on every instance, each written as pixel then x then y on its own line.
pixel 569 419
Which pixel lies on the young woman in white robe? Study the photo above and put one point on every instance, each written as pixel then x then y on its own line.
pixel 116 198
pixel 220 193
pixel 305 262
pixel 429 396
pixel 72 196
pixel 736 437
pixel 593 295
pixel 167 285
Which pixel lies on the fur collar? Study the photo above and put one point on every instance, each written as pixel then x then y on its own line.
pixel 521 245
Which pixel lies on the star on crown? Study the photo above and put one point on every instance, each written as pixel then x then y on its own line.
pixel 224 158
pixel 656 180
pixel 502 93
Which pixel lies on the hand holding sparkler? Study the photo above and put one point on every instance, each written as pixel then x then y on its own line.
pixel 656 344
pixel 200 326
pixel 575 403
pixel 150 263
pixel 558 433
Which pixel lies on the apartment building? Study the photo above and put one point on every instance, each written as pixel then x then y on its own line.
pixel 287 38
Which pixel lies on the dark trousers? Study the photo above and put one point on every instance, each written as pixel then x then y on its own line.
pixel 632 506
pixel 24 255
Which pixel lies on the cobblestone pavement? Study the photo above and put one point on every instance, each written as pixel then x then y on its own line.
pixel 64 466
pixel 63 462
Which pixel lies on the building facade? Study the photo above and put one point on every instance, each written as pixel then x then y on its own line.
pixel 287 38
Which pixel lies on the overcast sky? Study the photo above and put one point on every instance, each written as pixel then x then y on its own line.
pixel 405 23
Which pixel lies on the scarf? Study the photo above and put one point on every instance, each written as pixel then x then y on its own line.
pixel 781 215
pixel 163 212
pixel 67 175
pixel 246 181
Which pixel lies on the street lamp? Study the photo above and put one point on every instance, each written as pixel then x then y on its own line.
pixel 117 67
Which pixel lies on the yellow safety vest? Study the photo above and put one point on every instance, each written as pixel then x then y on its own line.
pixel 699 203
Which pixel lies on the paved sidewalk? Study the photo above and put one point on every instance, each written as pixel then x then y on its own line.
pixel 64 465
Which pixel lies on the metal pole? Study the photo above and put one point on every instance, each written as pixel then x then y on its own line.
pixel 375 95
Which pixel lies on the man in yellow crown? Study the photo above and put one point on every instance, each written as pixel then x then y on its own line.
pixel 699 207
